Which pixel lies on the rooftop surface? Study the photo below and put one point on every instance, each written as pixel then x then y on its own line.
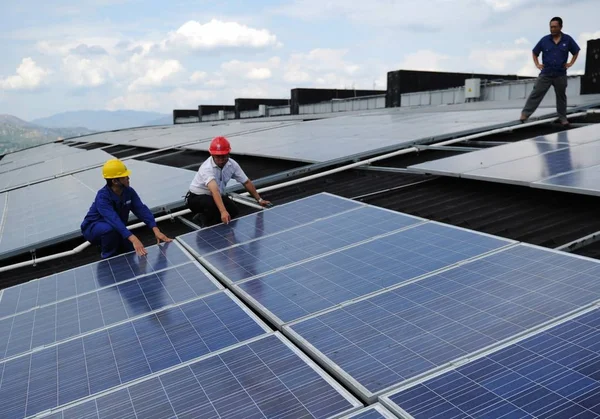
pixel 356 290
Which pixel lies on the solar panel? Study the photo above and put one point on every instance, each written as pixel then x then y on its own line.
pixel 375 411
pixel 35 155
pixel 381 342
pixel 43 212
pixel 354 134
pixel 291 246
pixel 267 377
pixel 89 278
pixel 157 185
pixel 269 221
pixel 553 374
pixel 535 168
pixel 486 158
pixel 105 307
pixel 88 365
pixel 322 283
pixel 584 181
pixel 170 136
pixel 55 167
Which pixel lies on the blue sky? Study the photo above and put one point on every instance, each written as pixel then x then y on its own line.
pixel 156 56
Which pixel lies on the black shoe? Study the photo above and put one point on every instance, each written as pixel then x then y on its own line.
pixel 200 220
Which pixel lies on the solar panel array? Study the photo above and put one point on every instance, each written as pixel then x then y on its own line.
pixel 52 167
pixel 175 135
pixel 566 161
pixel 51 211
pixel 105 339
pixel 331 138
pixel 384 308
pixel 555 373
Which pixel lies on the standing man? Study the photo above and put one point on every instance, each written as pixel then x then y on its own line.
pixel 206 197
pixel 105 221
pixel 555 48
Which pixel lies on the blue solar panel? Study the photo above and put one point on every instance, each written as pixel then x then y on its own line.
pixel 265 222
pixel 92 311
pixel 260 256
pixel 554 374
pixel 90 277
pixel 375 411
pixel 399 334
pixel 266 378
pixel 87 365
pixel 357 271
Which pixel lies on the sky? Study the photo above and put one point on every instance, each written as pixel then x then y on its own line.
pixel 153 55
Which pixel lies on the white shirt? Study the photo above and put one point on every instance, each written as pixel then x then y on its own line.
pixel 209 171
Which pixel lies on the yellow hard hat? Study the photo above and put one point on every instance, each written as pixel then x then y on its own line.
pixel 114 169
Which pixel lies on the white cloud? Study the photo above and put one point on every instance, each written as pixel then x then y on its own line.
pixel 321 66
pixel 29 76
pixel 136 101
pixel 86 72
pixel 251 70
pixel 198 76
pixel 217 34
pixel 424 60
pixel 157 74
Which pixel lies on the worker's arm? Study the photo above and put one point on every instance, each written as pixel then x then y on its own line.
pixel 216 194
pixel 536 61
pixel 535 53
pixel 142 211
pixel 252 191
pixel 573 59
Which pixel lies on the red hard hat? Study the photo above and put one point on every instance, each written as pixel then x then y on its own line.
pixel 219 146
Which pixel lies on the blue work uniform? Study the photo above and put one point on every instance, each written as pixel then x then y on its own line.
pixel 555 55
pixel 105 222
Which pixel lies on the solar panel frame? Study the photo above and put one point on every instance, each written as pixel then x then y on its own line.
pixel 280 323
pixel 370 396
pixel 386 399
pixel 224 233
pixel 116 266
pixel 98 312
pixel 293 253
pixel 123 371
pixel 273 339
pixel 374 411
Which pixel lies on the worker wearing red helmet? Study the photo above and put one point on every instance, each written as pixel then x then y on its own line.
pixel 206 197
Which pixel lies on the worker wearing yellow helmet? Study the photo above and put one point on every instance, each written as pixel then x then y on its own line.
pixel 105 222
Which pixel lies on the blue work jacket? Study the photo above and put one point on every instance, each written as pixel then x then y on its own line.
pixel 114 210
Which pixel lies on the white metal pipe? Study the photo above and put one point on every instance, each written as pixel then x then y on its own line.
pixel 237 198
pixel 84 245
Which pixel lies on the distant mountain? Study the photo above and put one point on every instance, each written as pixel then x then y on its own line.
pixel 104 120
pixel 16 134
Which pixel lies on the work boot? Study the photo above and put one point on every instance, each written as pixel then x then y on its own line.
pixel 199 219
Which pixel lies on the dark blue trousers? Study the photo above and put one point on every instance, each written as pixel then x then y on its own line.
pixel 110 241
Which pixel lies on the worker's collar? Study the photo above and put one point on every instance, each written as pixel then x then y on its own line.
pixel 114 196
pixel 214 163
